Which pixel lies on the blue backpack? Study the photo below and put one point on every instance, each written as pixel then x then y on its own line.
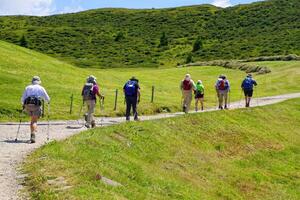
pixel 130 88
pixel 248 84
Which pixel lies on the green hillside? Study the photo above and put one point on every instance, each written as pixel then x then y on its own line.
pixel 18 65
pixel 241 154
pixel 123 38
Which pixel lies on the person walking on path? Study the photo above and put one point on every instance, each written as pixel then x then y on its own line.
pixel 199 95
pixel 187 86
pixel 222 87
pixel 32 100
pixel 89 93
pixel 247 87
pixel 132 94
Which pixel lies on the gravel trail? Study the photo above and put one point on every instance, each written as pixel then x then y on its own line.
pixel 13 153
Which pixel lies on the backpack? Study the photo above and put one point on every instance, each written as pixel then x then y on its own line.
pixel 87 92
pixel 199 89
pixel 247 84
pixel 187 85
pixel 130 88
pixel 222 84
pixel 33 100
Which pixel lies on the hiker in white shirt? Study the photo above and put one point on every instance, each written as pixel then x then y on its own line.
pixel 31 101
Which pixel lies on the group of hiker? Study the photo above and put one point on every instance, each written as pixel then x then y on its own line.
pixel 222 87
pixel 35 93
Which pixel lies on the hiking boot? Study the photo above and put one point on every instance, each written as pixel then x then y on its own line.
pixel 221 107
pixel 202 108
pixel 226 107
pixel 136 119
pixel 32 138
pixel 93 124
pixel 184 109
pixel 85 117
pixel 87 125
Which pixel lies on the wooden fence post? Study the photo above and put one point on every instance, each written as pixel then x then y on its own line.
pixel 152 96
pixel 71 105
pixel 116 100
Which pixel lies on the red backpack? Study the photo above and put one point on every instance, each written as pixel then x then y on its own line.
pixel 187 85
pixel 222 84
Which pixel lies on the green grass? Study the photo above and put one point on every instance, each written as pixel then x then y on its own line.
pixel 18 65
pixel 240 154
pixel 89 39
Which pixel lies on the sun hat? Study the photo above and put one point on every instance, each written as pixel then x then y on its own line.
pixel 36 80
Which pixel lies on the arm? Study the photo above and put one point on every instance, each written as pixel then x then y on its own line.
pixel 45 95
pixel 254 82
pixel 242 85
pixel 24 96
pixel 97 92
pixel 228 85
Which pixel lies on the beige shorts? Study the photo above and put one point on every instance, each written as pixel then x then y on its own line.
pixel 33 110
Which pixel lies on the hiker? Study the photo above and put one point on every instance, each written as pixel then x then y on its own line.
pixel 199 95
pixel 89 94
pixel 222 88
pixel 187 86
pixel 32 101
pixel 132 94
pixel 247 87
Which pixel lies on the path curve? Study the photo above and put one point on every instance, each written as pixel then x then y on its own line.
pixel 12 153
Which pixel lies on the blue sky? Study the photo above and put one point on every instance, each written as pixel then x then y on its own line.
pixel 48 7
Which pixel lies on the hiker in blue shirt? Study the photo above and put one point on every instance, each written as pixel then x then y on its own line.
pixel 131 91
pixel 247 87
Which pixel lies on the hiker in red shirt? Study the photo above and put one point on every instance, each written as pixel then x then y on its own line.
pixel 89 92
pixel 187 86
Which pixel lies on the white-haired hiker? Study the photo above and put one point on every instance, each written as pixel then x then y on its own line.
pixel 32 101
pixel 187 86
pixel 89 94
pixel 222 88
pixel 199 95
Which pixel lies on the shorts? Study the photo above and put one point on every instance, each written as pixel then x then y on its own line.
pixel 199 96
pixel 33 110
pixel 248 93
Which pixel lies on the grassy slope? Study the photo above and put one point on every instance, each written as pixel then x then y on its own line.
pixel 18 65
pixel 88 38
pixel 241 154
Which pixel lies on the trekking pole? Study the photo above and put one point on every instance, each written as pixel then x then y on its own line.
pixel 257 101
pixel 101 110
pixel 229 98
pixel 240 99
pixel 48 119
pixel 20 116
pixel 79 114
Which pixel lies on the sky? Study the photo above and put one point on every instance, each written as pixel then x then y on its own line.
pixel 50 7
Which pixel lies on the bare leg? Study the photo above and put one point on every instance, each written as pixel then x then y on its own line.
pixel 202 102
pixel 196 104
pixel 33 128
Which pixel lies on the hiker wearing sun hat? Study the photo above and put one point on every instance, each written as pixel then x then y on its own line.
pixel 31 101
pixel 199 94
pixel 247 87
pixel 89 94
pixel 187 86
pixel 132 94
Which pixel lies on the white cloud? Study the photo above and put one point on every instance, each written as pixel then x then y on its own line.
pixel 222 3
pixel 26 7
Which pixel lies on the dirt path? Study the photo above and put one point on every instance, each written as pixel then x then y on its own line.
pixel 13 153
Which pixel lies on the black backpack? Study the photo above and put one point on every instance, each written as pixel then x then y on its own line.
pixel 87 92
pixel 33 100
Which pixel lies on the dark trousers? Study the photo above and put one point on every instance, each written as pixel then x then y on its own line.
pixel 131 101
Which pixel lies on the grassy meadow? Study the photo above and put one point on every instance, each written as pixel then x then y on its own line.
pixel 132 37
pixel 239 154
pixel 18 65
